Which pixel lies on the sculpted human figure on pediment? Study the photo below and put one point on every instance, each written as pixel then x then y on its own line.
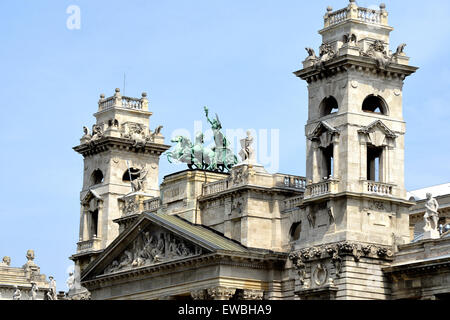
pixel 152 247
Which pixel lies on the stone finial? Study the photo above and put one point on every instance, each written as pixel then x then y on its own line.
pixel 383 6
pixel 102 96
pixel 144 101
pixel 117 90
pixel 6 261
pixel 329 9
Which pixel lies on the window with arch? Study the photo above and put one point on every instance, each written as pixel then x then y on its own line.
pixel 130 175
pixel 295 231
pixel 97 177
pixel 328 106
pixel 375 104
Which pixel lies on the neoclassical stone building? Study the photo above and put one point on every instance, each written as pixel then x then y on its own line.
pixel 341 232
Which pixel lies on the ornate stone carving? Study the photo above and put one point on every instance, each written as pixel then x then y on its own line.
pixel 152 248
pixel 299 266
pixel 30 259
pixel 157 132
pixel 311 216
pixel 6 262
pixel 17 294
pixel 34 290
pixel 199 294
pixel 239 176
pixel 138 184
pixel 253 294
pixel 53 292
pixel 130 205
pixel 350 39
pixel 378 51
pixel 236 205
pixel 221 293
pixel 320 274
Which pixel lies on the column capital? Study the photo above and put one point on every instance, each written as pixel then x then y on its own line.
pixel 253 294
pixel 221 293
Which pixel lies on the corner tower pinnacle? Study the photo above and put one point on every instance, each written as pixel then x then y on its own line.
pixel 355 198
pixel 121 157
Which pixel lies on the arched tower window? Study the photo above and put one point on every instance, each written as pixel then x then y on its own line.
pixel 295 231
pixel 97 177
pixel 328 106
pixel 134 175
pixel 375 104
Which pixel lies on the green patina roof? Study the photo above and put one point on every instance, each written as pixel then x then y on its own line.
pixel 202 234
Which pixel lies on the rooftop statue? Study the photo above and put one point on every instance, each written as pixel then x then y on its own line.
pixel 431 218
pixel 220 158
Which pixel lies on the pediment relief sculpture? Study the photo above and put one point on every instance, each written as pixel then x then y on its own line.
pixel 153 247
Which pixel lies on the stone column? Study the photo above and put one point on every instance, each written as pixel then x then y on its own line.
pixel 253 294
pixel 336 156
pixel 315 162
pixel 221 293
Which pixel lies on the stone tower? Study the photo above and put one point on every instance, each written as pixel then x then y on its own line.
pixel 355 210
pixel 121 164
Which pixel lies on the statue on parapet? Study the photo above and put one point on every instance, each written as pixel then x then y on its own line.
pixel 247 153
pixel 17 294
pixel 431 218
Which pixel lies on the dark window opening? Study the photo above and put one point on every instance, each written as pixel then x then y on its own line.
pixel 94 224
pixel 134 175
pixel 374 163
pixel 328 158
pixel 296 230
pixel 374 104
pixel 97 177
pixel 328 106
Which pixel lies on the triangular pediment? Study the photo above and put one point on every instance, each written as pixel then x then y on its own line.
pixel 320 129
pixel 377 133
pixel 156 239
pixel 91 194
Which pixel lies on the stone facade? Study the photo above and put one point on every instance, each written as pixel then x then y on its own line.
pixel 16 282
pixel 342 232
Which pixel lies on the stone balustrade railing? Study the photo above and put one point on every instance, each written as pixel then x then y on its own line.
pixel 152 204
pixel 369 16
pixel 288 181
pixel 119 101
pixel 88 245
pixel 215 187
pixel 380 188
pixel 366 15
pixel 292 203
pixel 321 188
pixel 279 181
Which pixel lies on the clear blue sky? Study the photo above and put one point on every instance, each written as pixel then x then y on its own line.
pixel 237 57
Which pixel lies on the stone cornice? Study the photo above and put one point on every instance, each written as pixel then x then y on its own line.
pixel 355 195
pixel 347 62
pixel 420 267
pixel 108 143
pixel 252 260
